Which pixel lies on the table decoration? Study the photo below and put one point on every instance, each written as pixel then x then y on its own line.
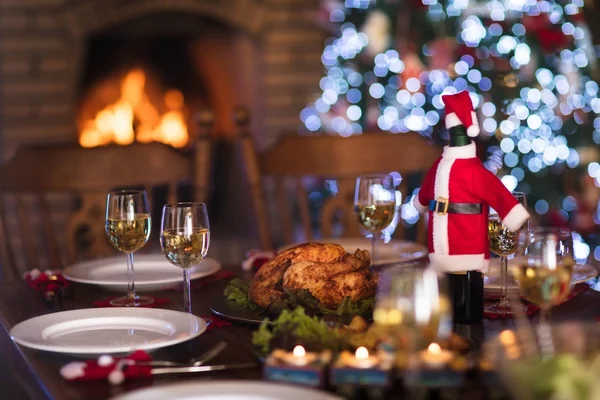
pixel 297 366
pixel 138 365
pixel 51 284
pixel 256 259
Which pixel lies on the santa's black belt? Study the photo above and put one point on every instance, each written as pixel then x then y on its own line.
pixel 443 206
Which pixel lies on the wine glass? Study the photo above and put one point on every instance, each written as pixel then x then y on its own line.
pixel 375 205
pixel 413 307
pixel 504 243
pixel 184 239
pixel 128 228
pixel 544 271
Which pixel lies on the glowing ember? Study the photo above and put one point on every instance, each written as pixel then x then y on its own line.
pixel 134 117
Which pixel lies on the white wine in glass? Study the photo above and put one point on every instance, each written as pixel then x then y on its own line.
pixel 375 206
pixel 544 271
pixel 128 225
pixel 184 239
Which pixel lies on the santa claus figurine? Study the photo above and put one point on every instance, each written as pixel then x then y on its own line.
pixel 458 192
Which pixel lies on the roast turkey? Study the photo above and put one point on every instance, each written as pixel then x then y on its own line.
pixel 325 270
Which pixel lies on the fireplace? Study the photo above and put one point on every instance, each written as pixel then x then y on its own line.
pixel 96 73
pixel 261 53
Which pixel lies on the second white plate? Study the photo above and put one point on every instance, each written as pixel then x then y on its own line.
pixel 152 272
pixel 107 330
pixel 393 251
pixel 492 280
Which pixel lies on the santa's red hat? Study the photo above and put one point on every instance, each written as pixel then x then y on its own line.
pixel 459 111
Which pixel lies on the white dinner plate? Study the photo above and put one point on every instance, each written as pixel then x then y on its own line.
pixel 492 280
pixel 393 251
pixel 107 330
pixel 152 272
pixel 227 390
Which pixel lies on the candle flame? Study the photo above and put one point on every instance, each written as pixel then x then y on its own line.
pixel 434 348
pixel 362 353
pixel 299 351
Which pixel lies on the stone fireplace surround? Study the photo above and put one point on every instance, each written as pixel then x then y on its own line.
pixel 43 44
pixel 42 56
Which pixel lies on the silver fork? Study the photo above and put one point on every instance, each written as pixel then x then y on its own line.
pixel 196 362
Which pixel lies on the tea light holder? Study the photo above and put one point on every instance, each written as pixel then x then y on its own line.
pixel 297 367
pixel 435 368
pixel 361 368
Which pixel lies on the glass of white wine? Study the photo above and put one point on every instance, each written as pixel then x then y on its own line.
pixel 128 225
pixel 504 243
pixel 184 239
pixel 413 308
pixel 544 271
pixel 375 205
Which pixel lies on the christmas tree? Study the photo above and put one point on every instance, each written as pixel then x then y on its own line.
pixel 529 66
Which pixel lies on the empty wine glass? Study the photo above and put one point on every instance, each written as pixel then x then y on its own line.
pixel 128 225
pixel 184 239
pixel 504 243
pixel 375 205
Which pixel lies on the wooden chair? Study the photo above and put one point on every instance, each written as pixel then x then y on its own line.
pixel 330 157
pixel 52 202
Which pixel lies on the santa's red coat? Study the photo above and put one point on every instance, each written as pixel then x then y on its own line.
pixel 459 242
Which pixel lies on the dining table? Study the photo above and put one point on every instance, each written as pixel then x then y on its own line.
pixel 32 374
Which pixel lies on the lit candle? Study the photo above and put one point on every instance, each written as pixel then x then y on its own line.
pixel 435 357
pixel 360 359
pixel 298 356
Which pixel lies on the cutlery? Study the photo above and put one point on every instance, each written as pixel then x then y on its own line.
pixel 202 368
pixel 196 362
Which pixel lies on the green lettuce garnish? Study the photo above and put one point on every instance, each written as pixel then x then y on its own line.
pixel 296 324
pixel 237 291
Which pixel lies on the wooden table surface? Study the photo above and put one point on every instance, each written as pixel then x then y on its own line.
pixel 30 374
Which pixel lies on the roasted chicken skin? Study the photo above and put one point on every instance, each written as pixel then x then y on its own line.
pixel 326 270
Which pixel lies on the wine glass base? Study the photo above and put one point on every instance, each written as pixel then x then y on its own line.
pixel 502 308
pixel 137 301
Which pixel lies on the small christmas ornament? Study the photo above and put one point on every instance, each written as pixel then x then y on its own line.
pixel 458 192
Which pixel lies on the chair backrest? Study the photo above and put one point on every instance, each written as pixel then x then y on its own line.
pixel 52 198
pixel 329 157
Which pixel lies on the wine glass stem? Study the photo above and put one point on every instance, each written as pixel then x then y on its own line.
pixel 373 248
pixel 187 294
pixel 130 277
pixel 544 331
pixel 504 278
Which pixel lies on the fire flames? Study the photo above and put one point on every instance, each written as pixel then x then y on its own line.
pixel 135 117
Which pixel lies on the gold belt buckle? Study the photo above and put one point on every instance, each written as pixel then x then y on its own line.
pixel 443 201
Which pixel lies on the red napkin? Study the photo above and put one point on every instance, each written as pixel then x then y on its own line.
pixel 50 283
pixel 115 370
pixel 531 308
pixel 256 258
pixel 215 323
pixel 156 303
